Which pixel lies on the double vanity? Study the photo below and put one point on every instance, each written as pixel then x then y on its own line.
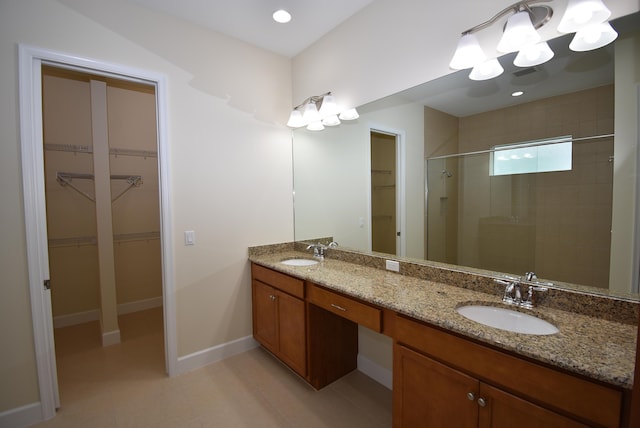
pixel 572 366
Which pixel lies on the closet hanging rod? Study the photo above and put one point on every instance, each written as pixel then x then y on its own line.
pixel 65 179
pixel 88 149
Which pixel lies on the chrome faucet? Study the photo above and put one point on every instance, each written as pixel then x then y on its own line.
pixel 513 291
pixel 318 250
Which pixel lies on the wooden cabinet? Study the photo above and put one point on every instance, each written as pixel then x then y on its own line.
pixel 279 317
pixel 440 379
pixel 451 381
pixel 430 394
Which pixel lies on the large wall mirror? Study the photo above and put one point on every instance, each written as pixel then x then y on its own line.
pixel 442 171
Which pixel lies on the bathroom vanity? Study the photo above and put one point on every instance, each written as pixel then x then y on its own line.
pixel 445 367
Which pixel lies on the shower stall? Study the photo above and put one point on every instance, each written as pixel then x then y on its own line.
pixel 543 206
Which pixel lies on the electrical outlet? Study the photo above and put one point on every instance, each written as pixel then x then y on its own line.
pixel 392 265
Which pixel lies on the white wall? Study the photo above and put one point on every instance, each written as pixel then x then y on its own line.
pixel 230 163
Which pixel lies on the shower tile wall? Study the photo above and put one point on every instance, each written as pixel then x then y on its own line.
pixel 566 205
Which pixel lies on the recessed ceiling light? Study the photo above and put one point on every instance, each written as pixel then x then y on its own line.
pixel 517 93
pixel 281 16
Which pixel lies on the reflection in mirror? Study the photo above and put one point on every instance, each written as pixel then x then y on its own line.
pixel 557 222
pixel 573 227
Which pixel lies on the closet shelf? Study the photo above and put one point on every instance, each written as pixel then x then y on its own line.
pixel 66 179
pixel 387 186
pixel 381 171
pixel 82 241
pixel 74 148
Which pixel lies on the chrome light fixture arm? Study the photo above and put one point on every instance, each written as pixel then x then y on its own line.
pixel 514 8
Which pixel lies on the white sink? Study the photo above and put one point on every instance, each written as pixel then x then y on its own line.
pixel 299 262
pixel 507 319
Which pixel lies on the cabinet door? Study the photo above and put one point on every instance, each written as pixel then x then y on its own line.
pixel 429 394
pixel 503 410
pixel 291 329
pixel 264 316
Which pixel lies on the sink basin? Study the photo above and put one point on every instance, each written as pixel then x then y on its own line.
pixel 507 319
pixel 299 262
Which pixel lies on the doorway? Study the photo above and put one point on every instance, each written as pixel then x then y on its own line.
pixel 31 60
pixel 101 182
pixel 386 232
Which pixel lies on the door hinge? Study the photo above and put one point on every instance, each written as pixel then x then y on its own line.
pixel 47 284
pixel 398 234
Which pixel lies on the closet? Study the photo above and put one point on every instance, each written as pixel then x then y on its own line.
pixel 103 214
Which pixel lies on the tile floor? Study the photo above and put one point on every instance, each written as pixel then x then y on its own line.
pixel 125 386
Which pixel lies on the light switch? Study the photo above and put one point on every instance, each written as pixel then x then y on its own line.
pixel 189 237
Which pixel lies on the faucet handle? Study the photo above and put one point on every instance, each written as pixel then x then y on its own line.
pixel 534 296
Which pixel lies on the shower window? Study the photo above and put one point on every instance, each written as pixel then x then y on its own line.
pixel 540 156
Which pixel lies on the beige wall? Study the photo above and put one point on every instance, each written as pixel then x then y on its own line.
pixel 223 142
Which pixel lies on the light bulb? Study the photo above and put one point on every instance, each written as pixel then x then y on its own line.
pixel 349 114
pixel 328 107
pixel 311 113
pixel 331 120
pixel 593 37
pixel 468 53
pixel 315 126
pixel 295 119
pixel 518 33
pixel 487 70
pixel 533 55
pixel 582 13
pixel 281 16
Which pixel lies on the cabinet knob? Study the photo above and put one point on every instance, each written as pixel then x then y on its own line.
pixel 272 297
pixel 471 396
pixel 482 402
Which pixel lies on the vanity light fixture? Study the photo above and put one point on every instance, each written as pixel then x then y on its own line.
pixel 319 111
pixel 587 18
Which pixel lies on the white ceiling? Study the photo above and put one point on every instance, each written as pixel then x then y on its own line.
pixel 251 21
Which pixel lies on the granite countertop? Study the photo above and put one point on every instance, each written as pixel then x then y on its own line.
pixel 597 348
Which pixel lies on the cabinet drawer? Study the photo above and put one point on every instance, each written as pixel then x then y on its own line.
pixel 551 388
pixel 350 309
pixel 286 283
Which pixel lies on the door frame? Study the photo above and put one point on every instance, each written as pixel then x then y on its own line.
pixel 30 63
pixel 401 167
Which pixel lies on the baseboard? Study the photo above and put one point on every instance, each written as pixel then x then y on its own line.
pixel 20 417
pixel 111 338
pixel 139 305
pixel 375 371
pixel 211 355
pixel 94 315
pixel 77 318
